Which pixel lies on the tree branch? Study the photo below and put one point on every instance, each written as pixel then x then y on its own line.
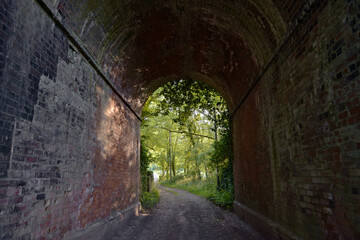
pixel 149 147
pixel 183 132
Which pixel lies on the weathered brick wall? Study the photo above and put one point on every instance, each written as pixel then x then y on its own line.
pixel 297 134
pixel 68 144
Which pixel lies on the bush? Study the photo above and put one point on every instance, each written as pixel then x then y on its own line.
pixel 222 198
pixel 148 200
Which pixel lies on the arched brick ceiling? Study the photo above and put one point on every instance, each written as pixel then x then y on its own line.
pixel 142 44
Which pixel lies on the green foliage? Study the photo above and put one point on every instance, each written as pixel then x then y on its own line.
pixel 145 156
pixel 221 158
pixel 223 198
pixel 227 178
pixel 222 150
pixel 185 97
pixel 191 113
pixel 145 160
pixel 173 180
pixel 199 187
pixel 148 200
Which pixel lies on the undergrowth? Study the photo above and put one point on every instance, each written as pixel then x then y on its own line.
pixel 148 200
pixel 205 188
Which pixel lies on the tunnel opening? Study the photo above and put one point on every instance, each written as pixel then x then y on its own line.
pixel 186 140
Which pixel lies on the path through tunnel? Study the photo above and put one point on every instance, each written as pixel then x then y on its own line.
pixel 76 74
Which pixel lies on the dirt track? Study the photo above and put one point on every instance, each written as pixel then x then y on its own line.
pixel 182 215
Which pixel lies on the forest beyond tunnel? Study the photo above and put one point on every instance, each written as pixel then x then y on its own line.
pixel 75 76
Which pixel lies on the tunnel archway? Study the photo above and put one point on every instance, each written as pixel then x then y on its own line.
pixel 71 70
pixel 197 113
pixel 188 38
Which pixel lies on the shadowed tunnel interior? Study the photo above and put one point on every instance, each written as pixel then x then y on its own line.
pixel 74 75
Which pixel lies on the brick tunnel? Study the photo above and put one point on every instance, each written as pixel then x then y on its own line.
pixel 74 76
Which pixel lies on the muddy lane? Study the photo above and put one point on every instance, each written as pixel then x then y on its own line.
pixel 182 215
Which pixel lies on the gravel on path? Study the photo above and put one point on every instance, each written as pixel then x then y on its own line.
pixel 185 216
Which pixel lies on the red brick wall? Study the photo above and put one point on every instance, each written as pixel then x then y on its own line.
pixel 296 135
pixel 70 155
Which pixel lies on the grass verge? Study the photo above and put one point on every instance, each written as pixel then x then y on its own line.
pixel 205 188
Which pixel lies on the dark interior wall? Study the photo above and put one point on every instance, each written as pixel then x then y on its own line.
pixel 68 144
pixel 296 136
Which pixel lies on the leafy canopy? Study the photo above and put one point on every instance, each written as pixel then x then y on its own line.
pixel 186 98
pixel 192 113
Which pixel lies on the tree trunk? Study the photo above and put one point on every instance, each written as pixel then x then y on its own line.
pixel 170 153
pixel 173 166
pixel 217 168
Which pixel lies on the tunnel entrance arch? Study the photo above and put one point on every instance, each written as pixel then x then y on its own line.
pixel 206 118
